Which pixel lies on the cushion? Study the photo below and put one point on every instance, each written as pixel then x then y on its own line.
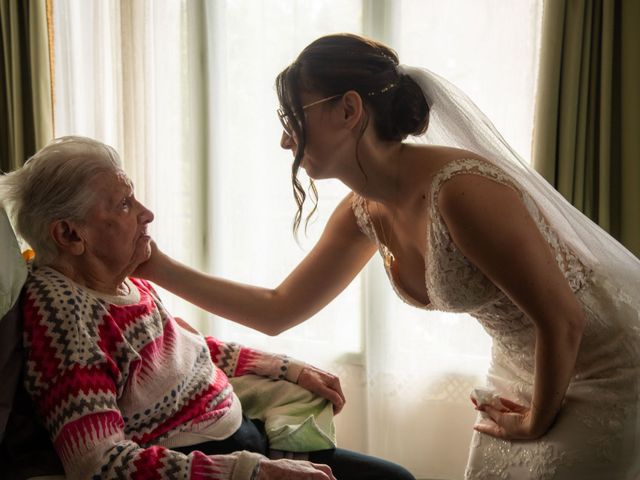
pixel 14 268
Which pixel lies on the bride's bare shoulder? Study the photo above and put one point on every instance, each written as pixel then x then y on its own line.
pixel 429 159
pixel 421 165
pixel 444 154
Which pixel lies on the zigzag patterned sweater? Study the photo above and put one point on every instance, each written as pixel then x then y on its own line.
pixel 117 381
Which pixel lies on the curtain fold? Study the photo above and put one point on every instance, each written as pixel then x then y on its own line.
pixel 586 140
pixel 26 111
pixel 124 77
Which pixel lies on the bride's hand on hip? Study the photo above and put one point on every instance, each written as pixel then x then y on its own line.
pixel 510 421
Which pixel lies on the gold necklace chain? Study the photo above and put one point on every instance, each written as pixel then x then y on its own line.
pixel 387 254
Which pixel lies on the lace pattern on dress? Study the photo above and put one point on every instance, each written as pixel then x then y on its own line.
pixel 447 268
pixel 358 205
pixel 574 270
pixel 540 460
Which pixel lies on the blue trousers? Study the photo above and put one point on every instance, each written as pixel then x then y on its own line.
pixel 345 464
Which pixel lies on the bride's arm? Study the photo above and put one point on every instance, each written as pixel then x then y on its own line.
pixel 335 260
pixel 492 227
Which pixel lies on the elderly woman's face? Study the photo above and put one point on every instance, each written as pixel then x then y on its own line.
pixel 116 226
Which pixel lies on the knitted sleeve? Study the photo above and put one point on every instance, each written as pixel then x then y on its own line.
pixel 72 375
pixel 235 360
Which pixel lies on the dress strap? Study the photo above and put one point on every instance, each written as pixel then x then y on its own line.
pixel 469 166
pixel 359 207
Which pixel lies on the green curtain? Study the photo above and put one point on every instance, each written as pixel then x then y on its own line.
pixel 586 138
pixel 26 111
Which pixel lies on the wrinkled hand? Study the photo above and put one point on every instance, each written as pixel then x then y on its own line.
pixel 285 469
pixel 323 384
pixel 509 421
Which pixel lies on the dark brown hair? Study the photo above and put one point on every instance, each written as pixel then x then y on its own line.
pixel 335 64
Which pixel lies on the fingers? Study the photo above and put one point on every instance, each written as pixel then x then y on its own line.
pixel 492 423
pixel 494 413
pixel 335 396
pixel 340 400
pixel 490 428
pixel 338 403
pixel 285 469
pixel 513 406
pixel 326 469
pixel 505 424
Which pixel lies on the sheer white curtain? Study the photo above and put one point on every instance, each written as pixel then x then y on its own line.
pixel 125 73
pixel 250 175
pixel 184 90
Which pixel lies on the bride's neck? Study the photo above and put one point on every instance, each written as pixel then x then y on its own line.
pixel 380 173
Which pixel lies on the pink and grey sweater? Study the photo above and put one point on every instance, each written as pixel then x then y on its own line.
pixel 117 382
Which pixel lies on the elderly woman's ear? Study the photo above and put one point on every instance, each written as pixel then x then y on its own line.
pixel 67 237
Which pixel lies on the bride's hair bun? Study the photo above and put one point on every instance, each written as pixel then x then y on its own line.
pixel 408 111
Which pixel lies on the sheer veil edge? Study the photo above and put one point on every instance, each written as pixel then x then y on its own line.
pixel 457 122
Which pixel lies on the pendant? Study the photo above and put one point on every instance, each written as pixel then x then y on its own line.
pixel 388 257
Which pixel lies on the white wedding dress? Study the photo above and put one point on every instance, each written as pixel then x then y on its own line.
pixel 597 433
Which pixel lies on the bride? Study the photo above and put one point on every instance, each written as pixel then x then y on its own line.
pixel 463 225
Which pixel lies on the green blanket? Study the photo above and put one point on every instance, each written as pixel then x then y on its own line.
pixel 296 420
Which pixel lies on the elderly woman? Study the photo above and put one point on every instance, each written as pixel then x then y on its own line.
pixel 124 388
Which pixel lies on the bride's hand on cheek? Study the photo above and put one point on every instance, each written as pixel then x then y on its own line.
pixel 151 266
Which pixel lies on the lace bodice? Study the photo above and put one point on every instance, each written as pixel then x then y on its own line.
pixel 452 281
pixel 454 284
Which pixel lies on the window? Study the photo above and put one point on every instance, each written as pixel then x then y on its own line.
pixel 249 186
pixel 185 92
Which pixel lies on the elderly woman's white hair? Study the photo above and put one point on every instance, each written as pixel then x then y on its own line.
pixel 55 183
